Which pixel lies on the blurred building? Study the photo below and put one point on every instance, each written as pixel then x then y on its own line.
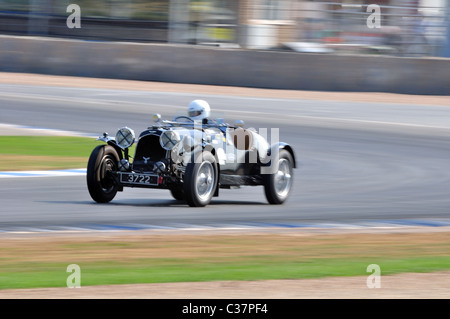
pixel 407 27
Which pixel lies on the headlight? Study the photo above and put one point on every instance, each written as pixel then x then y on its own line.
pixel 169 139
pixel 125 137
pixel 159 167
pixel 124 165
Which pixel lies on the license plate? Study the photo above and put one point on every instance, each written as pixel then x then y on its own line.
pixel 140 179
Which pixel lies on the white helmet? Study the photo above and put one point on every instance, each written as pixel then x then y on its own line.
pixel 199 110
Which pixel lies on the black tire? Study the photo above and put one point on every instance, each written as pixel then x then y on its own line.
pixel 101 185
pixel 177 193
pixel 199 189
pixel 277 186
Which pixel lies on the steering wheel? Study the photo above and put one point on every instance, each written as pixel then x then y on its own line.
pixel 183 117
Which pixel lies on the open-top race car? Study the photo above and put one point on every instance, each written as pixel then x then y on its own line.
pixel 193 157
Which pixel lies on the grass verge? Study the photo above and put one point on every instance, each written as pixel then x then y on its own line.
pixel 21 153
pixel 42 261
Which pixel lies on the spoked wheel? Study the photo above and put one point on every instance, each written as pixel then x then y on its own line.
pixel 102 164
pixel 277 186
pixel 200 181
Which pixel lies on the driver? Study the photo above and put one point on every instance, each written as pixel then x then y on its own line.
pixel 199 110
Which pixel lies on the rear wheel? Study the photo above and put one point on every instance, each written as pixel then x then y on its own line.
pixel 277 186
pixel 101 165
pixel 200 181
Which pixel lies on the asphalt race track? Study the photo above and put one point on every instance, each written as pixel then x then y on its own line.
pixel 358 163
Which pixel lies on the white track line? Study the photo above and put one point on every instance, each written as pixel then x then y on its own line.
pixel 14 129
pixel 53 173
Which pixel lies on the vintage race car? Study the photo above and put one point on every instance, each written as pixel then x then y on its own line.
pixel 193 160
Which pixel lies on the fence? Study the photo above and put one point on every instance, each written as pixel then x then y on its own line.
pixel 104 20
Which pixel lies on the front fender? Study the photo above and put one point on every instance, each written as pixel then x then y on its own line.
pixel 113 143
pixel 116 147
pixel 110 141
pixel 209 148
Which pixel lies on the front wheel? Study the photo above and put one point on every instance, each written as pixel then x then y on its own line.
pixel 101 165
pixel 277 186
pixel 200 180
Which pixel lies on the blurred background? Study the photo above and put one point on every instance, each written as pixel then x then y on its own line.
pixel 407 27
pixel 366 161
